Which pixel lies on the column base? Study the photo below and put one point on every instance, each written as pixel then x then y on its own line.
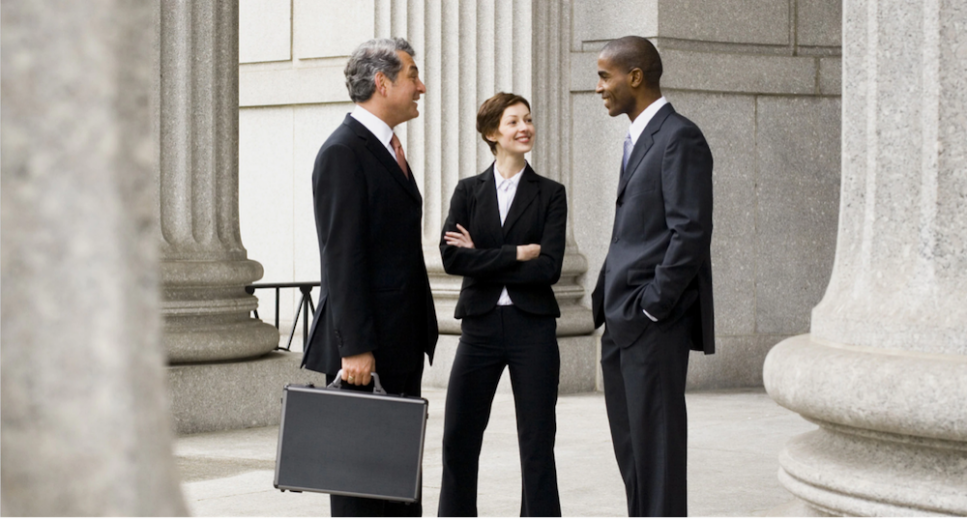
pixel 199 340
pixel 234 395
pixel 892 439
pixel 848 473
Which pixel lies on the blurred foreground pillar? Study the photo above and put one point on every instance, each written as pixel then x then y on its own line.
pixel 85 424
pixel 884 370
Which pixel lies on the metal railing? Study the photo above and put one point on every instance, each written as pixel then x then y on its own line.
pixel 305 307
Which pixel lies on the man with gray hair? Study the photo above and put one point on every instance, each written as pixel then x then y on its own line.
pixel 375 310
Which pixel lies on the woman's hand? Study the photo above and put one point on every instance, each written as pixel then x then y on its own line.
pixel 462 239
pixel 528 252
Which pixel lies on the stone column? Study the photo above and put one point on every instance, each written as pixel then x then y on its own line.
pixel 204 268
pixel 884 370
pixel 85 424
pixel 469 51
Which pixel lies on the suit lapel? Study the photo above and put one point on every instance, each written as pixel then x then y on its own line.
pixel 527 190
pixel 645 141
pixel 382 154
pixel 489 213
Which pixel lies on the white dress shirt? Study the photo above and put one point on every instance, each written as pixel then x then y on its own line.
pixel 377 126
pixel 637 127
pixel 506 189
pixel 640 122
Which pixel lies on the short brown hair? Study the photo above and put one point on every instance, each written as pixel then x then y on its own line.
pixel 488 117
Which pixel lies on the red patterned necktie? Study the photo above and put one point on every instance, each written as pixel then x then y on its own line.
pixel 400 156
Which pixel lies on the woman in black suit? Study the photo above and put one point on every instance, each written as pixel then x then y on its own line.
pixel 505 235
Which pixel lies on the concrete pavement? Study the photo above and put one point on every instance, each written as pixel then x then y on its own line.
pixel 734 440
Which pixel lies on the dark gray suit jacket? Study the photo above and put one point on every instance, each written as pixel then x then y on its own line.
pixel 659 257
pixel 538 215
pixel 375 295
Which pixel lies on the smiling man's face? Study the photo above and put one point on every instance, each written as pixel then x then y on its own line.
pixel 404 93
pixel 614 87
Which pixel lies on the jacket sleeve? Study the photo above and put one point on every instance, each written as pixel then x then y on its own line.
pixel 686 178
pixel 475 262
pixel 341 206
pixel 546 268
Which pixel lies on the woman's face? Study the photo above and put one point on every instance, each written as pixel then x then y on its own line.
pixel 516 131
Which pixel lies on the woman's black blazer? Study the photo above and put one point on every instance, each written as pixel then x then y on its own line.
pixel 538 215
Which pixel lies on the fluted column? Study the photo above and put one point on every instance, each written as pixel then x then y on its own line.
pixel 884 370
pixel 204 267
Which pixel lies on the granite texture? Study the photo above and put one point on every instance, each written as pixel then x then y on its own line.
pixel 204 268
pixel 85 423
pixel 846 472
pixel 596 20
pixel 235 394
pixel 883 390
pixel 830 76
pixel 899 277
pixel 715 71
pixel 737 363
pixel 735 21
pixel 797 203
pixel 729 125
pixel 819 22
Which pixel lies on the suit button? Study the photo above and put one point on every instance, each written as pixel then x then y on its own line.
pixel 615 240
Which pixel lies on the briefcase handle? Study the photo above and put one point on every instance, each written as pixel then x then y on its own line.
pixel 377 388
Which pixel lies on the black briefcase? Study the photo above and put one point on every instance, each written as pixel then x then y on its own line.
pixel 351 443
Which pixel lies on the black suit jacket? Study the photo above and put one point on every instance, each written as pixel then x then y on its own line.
pixel 537 215
pixel 659 257
pixel 375 293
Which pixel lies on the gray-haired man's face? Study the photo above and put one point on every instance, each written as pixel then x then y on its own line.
pixel 402 95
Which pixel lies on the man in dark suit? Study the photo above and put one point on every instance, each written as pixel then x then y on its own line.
pixel 654 292
pixel 375 310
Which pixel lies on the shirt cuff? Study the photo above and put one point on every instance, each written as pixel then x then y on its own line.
pixel 650 317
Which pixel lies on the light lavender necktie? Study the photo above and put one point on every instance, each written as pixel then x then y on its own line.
pixel 629 145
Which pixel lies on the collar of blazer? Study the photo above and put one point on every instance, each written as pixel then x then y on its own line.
pixel 486 195
pixel 389 162
pixel 644 144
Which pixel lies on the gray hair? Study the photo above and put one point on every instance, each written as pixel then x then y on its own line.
pixel 369 58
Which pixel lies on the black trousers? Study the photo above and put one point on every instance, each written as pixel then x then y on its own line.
pixel 527 345
pixel 409 383
pixel 644 392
